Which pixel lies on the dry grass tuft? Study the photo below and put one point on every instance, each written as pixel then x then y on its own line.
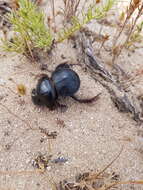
pixel 132 36
pixel 95 181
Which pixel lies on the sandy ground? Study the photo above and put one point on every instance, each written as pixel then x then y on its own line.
pixel 88 136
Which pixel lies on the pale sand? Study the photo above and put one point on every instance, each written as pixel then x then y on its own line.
pixel 93 134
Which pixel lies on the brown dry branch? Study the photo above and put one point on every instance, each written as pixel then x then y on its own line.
pixel 105 38
pixel 134 4
pixel 124 101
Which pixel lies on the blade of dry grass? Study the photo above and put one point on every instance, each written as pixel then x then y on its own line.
pixel 21 172
pixel 140 182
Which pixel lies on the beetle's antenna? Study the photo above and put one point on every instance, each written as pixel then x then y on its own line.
pixel 86 100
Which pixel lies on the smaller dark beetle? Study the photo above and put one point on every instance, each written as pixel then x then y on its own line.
pixel 63 82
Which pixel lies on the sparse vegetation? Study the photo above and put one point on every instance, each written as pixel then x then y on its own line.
pixel 100 180
pixel 136 36
pixel 30 30
pixel 93 12
pixel 134 29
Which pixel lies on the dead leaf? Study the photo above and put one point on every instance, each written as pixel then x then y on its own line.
pixel 21 89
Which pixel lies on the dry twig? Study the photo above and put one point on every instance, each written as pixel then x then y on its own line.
pixel 124 101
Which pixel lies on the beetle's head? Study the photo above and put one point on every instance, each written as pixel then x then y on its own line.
pixel 36 98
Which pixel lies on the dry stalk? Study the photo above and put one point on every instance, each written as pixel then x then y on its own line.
pixel 140 12
pixel 70 8
pixel 95 176
pixel 133 6
pixel 20 172
pixel 140 182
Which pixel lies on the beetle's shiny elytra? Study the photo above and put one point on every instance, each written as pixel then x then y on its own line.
pixel 66 81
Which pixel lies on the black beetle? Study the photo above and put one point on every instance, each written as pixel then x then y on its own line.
pixel 63 82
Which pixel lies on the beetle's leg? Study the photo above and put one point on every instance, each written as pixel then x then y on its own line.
pixel 86 100
pixel 56 105
pixel 61 106
pixel 51 107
